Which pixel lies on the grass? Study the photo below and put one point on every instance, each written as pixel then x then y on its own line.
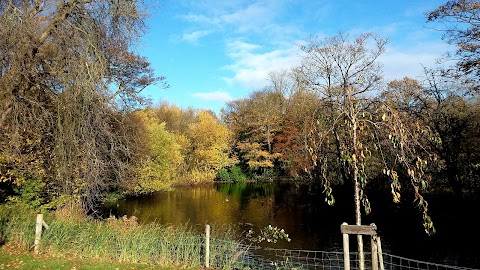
pixel 15 258
pixel 116 240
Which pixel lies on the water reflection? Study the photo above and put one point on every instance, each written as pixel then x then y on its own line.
pixel 312 224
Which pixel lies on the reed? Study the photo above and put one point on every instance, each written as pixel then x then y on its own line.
pixel 122 239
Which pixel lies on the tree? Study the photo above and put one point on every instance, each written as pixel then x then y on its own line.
pixel 158 168
pixel 255 121
pixel 461 19
pixel 177 120
pixel 209 148
pixel 297 120
pixel 66 69
pixel 340 70
pixel 451 112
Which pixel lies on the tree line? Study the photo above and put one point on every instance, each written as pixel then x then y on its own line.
pixel 73 125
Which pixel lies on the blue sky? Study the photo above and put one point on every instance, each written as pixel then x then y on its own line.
pixel 212 51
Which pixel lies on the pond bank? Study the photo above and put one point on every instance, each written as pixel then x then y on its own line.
pixel 310 222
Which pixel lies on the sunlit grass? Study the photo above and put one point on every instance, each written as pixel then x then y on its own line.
pixel 121 240
pixel 15 258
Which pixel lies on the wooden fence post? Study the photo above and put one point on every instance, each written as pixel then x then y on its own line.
pixel 207 246
pixel 360 230
pixel 373 243
pixel 380 255
pixel 346 250
pixel 38 233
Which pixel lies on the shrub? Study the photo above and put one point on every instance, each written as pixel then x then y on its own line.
pixel 224 175
pixel 237 174
pixel 234 174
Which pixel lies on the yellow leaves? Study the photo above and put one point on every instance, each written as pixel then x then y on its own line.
pixel 395 188
pixel 393 174
pixel 158 168
pixel 411 173
pixel 182 145
pixel 210 142
pixel 197 175
pixel 257 158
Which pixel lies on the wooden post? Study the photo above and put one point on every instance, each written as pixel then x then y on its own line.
pixel 380 255
pixel 373 243
pixel 38 233
pixel 346 250
pixel 207 246
pixel 360 230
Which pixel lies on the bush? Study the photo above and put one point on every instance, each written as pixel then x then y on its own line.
pixel 234 174
pixel 224 175
pixel 29 191
pixel 237 175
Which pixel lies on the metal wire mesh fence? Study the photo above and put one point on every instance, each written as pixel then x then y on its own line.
pixel 269 258
pixel 393 262
pixel 228 254
pixel 252 257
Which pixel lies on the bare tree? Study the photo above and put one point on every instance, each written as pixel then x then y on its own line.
pixel 341 71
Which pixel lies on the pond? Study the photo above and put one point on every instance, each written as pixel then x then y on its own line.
pixel 312 224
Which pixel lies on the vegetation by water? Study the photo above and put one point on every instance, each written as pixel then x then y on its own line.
pixel 121 240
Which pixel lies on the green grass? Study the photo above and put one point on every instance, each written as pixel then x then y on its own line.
pixel 119 240
pixel 14 258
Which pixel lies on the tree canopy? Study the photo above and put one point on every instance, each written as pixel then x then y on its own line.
pixel 66 69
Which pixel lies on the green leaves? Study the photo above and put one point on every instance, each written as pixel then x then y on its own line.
pixel 270 234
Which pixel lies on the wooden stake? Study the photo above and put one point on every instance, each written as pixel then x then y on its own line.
pixel 38 233
pixel 380 255
pixel 346 250
pixel 207 246
pixel 373 244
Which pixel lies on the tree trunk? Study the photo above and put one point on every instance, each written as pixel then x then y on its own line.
pixel 358 221
pixel 354 166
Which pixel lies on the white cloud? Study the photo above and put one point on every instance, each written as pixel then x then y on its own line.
pixel 251 18
pixel 251 66
pixel 193 37
pixel 242 17
pixel 213 96
pixel 402 62
pixel 198 18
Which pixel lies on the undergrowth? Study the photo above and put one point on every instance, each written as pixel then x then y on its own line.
pixel 120 239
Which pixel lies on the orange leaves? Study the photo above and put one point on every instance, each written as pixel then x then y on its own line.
pixel 256 157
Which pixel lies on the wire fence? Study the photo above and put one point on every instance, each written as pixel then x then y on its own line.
pixel 397 262
pixel 254 257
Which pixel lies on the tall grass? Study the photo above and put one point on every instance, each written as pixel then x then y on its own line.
pixel 121 239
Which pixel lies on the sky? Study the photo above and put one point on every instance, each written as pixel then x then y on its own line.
pixel 214 51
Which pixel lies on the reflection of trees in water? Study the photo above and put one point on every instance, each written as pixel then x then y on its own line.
pixel 250 190
pixel 312 224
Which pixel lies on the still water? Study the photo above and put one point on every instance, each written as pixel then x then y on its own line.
pixel 312 224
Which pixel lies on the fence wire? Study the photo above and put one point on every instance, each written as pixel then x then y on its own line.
pixel 253 257
pixel 396 262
